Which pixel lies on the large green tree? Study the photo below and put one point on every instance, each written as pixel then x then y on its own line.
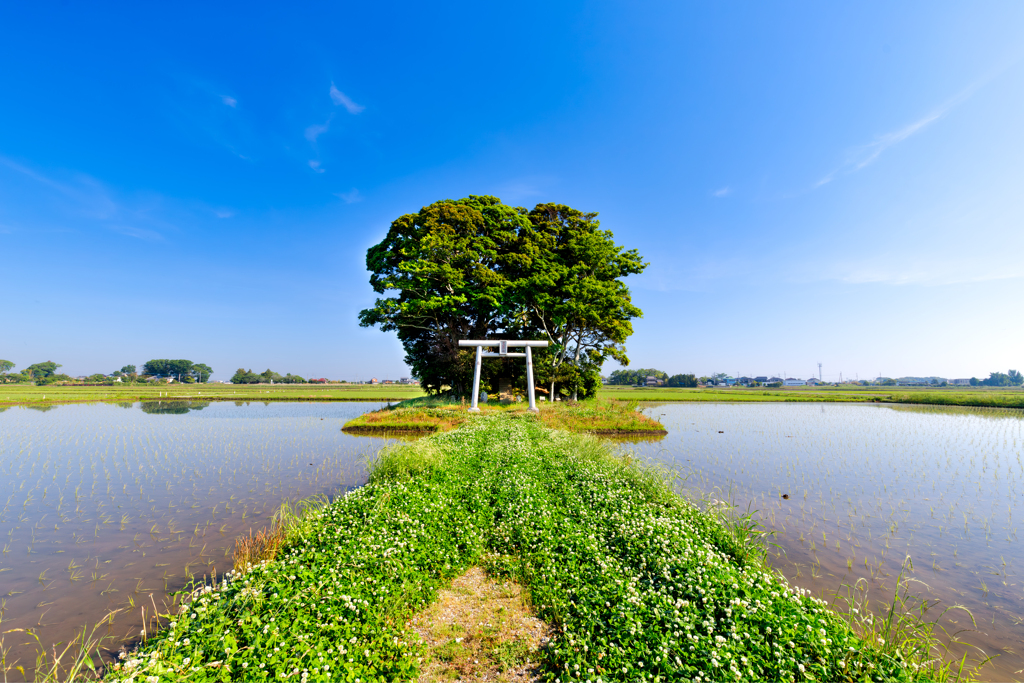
pixel 445 269
pixel 42 370
pixel 179 369
pixel 574 293
pixel 5 366
pixel 475 268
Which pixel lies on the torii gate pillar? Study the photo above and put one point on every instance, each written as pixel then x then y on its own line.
pixel 503 346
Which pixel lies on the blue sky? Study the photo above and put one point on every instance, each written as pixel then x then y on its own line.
pixel 809 181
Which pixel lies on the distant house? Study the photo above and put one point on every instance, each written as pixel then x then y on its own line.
pixel 812 382
pixel 959 382
pixel 762 380
pixel 374 381
pixel 655 382
pixel 773 380
pixel 793 382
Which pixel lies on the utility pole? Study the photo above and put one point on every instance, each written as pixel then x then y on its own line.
pixel 819 372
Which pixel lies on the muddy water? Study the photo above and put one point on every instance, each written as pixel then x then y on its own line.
pixel 117 506
pixel 867 487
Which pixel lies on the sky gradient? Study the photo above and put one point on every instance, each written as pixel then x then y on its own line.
pixel 809 182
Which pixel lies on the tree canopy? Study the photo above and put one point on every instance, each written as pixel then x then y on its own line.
pixel 476 268
pixel 42 370
pixel 688 381
pixel 999 379
pixel 243 376
pixel 5 366
pixel 186 370
pixel 635 377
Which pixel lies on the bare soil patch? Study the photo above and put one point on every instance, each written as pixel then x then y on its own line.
pixel 481 629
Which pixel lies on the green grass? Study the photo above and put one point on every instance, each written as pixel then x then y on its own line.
pixel 995 397
pixel 638 583
pixel 33 395
pixel 414 416
pixel 429 415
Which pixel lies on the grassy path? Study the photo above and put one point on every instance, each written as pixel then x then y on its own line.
pixel 637 583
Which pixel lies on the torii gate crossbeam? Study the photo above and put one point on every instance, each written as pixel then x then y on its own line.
pixel 503 346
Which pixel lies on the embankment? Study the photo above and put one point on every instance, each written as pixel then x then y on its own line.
pixel 638 583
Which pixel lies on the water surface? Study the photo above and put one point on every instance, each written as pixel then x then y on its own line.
pixel 115 506
pixel 867 487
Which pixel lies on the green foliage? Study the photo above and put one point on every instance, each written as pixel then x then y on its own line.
pixel 688 381
pixel 180 369
pixel 639 583
pixel 999 379
pixel 42 370
pixel 243 376
pixel 475 268
pixel 402 462
pixel 636 377
pixel 201 372
pixel 572 290
pixel 53 379
pixel 128 370
pixel 5 366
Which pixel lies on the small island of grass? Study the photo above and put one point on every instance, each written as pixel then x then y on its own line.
pixel 429 415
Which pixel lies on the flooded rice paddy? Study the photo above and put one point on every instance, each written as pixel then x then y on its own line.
pixel 852 490
pixel 116 506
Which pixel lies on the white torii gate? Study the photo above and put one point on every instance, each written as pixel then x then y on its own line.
pixel 503 346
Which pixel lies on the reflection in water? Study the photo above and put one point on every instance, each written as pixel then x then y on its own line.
pixel 852 490
pixel 172 407
pixel 106 507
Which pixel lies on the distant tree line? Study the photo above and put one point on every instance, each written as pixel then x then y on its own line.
pixel 999 379
pixel 40 373
pixel 635 377
pixel 638 377
pixel 243 376
pixel 181 370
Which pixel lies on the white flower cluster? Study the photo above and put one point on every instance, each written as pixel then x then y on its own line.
pixel 640 583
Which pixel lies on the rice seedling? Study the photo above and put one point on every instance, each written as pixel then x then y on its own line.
pixel 83 481
pixel 897 480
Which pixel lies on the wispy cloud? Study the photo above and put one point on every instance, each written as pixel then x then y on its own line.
pixel 223 213
pixel 864 155
pixel 341 99
pixel 316 130
pixel 81 200
pixel 138 233
pixel 924 273
pixel 722 192
pixel 525 189
pixel 230 101
pixel 350 197
pixel 315 165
